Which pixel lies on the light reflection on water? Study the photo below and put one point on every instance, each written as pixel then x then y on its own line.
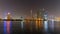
pixel 7 27
pixel 21 25
pixel 46 25
pixel 5 31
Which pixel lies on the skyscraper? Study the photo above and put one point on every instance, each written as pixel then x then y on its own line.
pixel 40 13
pixel 8 16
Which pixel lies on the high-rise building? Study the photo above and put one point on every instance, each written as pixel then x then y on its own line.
pixel 8 16
pixel 40 13
pixel 45 15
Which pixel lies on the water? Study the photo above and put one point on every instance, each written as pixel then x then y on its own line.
pixel 7 27
pixel 32 27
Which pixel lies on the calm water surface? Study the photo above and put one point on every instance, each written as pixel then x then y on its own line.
pixel 19 27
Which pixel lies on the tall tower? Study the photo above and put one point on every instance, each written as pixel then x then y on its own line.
pixel 8 16
pixel 45 15
pixel 31 14
pixel 40 13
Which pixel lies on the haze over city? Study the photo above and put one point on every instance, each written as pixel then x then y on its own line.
pixel 29 16
pixel 19 8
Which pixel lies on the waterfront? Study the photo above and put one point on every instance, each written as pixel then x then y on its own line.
pixel 19 27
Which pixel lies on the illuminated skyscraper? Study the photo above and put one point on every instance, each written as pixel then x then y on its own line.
pixel 8 16
pixel 40 13
pixel 31 14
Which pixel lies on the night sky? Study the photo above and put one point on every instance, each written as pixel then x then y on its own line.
pixel 19 8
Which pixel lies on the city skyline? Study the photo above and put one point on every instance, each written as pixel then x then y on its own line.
pixel 23 7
